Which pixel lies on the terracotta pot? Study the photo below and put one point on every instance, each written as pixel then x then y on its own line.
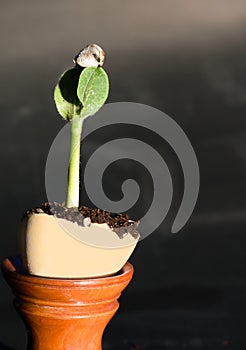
pixel 65 314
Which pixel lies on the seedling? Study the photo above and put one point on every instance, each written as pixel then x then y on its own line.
pixel 80 93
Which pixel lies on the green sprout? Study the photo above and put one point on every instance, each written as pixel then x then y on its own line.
pixel 80 93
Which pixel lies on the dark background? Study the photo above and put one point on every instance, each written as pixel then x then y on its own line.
pixel 188 59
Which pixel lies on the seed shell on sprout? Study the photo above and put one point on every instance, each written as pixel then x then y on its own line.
pixel 90 56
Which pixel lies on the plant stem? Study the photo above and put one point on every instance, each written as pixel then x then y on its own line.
pixel 74 165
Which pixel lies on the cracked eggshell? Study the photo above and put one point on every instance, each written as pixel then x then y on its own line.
pixel 48 250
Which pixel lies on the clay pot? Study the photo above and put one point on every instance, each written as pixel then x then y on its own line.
pixel 65 314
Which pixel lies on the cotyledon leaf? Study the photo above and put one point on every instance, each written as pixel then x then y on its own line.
pixel 93 88
pixel 65 94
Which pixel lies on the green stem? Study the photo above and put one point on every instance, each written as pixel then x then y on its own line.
pixel 74 165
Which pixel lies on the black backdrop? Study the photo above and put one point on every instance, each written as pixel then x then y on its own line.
pixel 186 58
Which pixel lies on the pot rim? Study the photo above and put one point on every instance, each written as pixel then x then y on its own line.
pixel 13 268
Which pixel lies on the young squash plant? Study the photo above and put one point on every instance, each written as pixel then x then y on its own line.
pixel 81 91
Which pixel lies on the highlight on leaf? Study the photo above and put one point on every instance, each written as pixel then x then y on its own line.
pixel 93 88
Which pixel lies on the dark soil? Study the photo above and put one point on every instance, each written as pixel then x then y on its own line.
pixel 84 216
